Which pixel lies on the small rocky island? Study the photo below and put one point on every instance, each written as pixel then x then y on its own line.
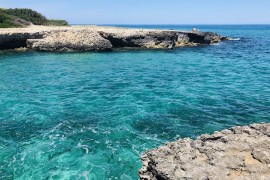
pixel 99 38
pixel 236 153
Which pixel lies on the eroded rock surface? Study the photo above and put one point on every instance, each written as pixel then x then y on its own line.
pixel 95 38
pixel 236 153
pixel 72 40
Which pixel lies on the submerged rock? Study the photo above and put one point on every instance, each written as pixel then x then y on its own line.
pixel 95 38
pixel 236 153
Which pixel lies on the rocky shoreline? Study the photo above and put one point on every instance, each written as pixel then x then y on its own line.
pixel 235 153
pixel 98 38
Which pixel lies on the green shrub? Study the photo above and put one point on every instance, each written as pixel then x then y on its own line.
pixel 6 21
pixel 1 18
pixel 53 22
pixel 14 17
pixel 28 15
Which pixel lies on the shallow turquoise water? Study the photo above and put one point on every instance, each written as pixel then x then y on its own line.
pixel 91 115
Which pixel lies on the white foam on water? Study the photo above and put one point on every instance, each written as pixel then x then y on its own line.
pixel 84 147
pixel 215 44
pixel 234 39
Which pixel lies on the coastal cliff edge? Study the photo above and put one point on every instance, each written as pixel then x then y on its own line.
pixel 99 38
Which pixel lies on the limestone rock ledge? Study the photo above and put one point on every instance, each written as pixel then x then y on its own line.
pixel 235 153
pixel 97 38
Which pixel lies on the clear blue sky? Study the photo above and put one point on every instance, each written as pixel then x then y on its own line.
pixel 150 11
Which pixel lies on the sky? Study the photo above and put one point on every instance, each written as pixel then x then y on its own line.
pixel 150 11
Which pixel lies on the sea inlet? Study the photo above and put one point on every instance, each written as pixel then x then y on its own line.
pixel 91 115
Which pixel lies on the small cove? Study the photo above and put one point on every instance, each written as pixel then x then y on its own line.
pixel 77 115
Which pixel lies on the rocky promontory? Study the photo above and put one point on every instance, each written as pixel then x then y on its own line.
pixel 98 38
pixel 235 153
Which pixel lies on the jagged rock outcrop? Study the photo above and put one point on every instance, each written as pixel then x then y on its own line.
pixel 236 153
pixel 79 40
pixel 94 38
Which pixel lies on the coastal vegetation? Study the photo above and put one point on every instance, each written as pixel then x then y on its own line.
pixel 10 18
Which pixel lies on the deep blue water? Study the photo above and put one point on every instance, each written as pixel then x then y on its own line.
pixel 91 115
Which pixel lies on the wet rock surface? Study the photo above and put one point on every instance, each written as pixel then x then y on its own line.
pixel 95 38
pixel 235 153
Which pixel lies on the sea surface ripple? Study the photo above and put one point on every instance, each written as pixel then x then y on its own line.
pixel 91 115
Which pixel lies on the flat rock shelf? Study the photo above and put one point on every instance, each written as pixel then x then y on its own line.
pixel 99 38
pixel 235 153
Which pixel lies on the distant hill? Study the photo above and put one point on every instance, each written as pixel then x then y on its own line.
pixel 10 18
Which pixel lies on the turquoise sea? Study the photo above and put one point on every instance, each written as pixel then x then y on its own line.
pixel 91 115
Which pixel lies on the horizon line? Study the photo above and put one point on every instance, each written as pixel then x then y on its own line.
pixel 165 24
